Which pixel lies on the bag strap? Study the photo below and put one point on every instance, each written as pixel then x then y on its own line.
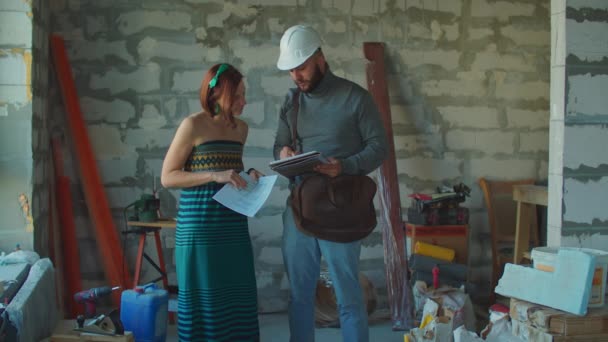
pixel 294 121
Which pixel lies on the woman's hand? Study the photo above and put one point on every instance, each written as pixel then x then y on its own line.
pixel 230 177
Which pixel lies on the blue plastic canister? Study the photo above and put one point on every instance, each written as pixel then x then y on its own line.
pixel 144 312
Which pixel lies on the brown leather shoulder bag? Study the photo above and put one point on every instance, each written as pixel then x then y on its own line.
pixel 339 209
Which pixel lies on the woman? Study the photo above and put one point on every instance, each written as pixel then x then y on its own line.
pixel 217 298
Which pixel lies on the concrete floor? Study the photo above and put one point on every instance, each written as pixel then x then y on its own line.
pixel 274 328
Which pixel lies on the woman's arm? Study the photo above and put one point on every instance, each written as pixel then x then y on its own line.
pixel 173 175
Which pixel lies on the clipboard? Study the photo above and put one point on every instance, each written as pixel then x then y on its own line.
pixel 298 164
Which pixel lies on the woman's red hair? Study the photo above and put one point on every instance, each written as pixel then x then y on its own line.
pixel 222 94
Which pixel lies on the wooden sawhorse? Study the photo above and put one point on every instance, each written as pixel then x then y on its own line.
pixel 142 229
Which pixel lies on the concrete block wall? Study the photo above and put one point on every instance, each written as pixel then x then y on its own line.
pixel 16 105
pixel 468 83
pixel 43 179
pixel 584 219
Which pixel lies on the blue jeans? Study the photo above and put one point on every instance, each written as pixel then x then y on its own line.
pixel 302 257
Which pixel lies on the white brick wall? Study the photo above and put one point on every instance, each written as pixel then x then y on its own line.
pixel 16 5
pixel 488 142
pixel 97 51
pixel 526 37
pixel 14 68
pixel 277 85
pixel 590 138
pixel 585 200
pixel 502 169
pixel 445 59
pixel 263 137
pixel 263 56
pixel 16 29
pixel 492 59
pixel 188 81
pixel 587 94
pixel 521 118
pixel 480 33
pixel 149 48
pixel 587 40
pixel 113 170
pixel 453 88
pixel 146 139
pixel 473 117
pixel 523 90
pixel 534 142
pixel 501 9
pixel 341 5
pixel 253 113
pixel 452 7
pixel 429 169
pixel 144 79
pixel 115 111
pixel 137 21
pixel 107 143
pixel 151 118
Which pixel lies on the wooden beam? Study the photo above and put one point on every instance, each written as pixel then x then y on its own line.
pixel 107 236
pixel 395 257
pixel 69 264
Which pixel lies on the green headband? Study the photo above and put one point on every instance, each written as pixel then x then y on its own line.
pixel 220 70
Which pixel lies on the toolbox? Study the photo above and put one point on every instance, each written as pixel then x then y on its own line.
pixel 438 216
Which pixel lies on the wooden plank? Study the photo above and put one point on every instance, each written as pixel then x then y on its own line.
pixel 533 194
pixel 522 230
pixel 107 235
pixel 70 261
pixel 163 223
pixel 127 337
pixel 527 197
pixel 397 278
pixel 64 332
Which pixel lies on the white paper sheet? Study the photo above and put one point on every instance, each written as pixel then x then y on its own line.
pixel 249 200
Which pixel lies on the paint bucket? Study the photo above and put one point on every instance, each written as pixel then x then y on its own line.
pixel 544 259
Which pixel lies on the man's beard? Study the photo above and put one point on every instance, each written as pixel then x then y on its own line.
pixel 311 85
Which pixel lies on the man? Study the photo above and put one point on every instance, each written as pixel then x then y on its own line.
pixel 339 119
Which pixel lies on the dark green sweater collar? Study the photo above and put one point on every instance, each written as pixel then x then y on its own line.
pixel 327 83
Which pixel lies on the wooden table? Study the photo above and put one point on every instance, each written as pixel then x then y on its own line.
pixel 527 198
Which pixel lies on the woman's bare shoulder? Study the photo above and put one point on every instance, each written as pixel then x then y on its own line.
pixel 241 127
pixel 195 125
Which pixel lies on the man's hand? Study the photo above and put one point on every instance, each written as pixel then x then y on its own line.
pixel 255 175
pixel 286 152
pixel 332 169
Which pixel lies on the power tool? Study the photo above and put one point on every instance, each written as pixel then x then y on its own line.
pixel 145 209
pixel 89 298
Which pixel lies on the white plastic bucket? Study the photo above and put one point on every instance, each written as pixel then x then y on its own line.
pixel 544 259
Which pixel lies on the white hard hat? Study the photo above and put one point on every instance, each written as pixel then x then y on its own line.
pixel 297 45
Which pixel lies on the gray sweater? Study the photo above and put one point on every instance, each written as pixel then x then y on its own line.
pixel 339 119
